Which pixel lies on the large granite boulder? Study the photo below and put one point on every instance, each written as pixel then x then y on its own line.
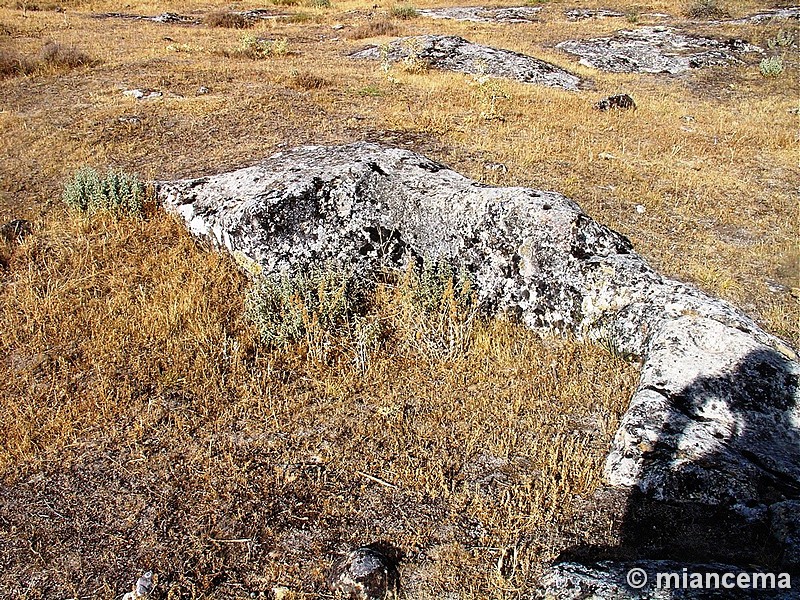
pixel 453 53
pixel 655 50
pixel 715 420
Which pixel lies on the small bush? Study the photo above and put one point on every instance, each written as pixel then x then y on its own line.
pixel 59 56
pixel 286 2
pixel 229 20
pixel 118 193
pixel 704 9
pixel 373 29
pixel 771 67
pixel 404 11
pixel 308 81
pixel 13 64
pixel 372 91
pixel 319 3
pixel 257 48
pixel 303 307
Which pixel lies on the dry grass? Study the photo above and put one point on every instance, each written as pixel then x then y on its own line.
pixel 373 28
pixel 226 19
pixel 309 81
pixel 142 420
pixel 132 381
pixel 52 57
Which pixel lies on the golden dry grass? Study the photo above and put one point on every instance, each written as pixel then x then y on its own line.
pixel 141 419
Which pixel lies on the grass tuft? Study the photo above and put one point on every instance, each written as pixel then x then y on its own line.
pixel 227 19
pixel 403 11
pixel 309 81
pixel 59 56
pixel 705 9
pixel 372 29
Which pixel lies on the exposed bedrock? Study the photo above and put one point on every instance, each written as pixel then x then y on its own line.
pixel 453 53
pixel 715 419
pixel 655 50
pixel 481 14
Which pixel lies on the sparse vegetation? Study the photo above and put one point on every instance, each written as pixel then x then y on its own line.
pixel 257 48
pixel 227 19
pixel 319 3
pixel 705 9
pixel 309 81
pixel 60 56
pixel 370 29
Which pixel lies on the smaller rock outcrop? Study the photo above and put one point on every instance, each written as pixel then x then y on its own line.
pixel 453 53
pixel 580 14
pixel 655 50
pixel 167 17
pixel 480 14
pixel 617 102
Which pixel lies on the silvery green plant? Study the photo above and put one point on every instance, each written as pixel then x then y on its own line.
pixel 116 192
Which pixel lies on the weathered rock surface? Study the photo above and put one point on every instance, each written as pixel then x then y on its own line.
pixel 608 579
pixel 479 14
pixel 166 17
pixel 715 420
pixel 579 14
pixel 655 50
pixel 453 53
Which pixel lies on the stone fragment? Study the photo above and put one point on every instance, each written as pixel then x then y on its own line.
pixel 618 102
pixel 363 574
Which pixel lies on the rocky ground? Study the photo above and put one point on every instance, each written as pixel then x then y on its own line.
pixel 147 425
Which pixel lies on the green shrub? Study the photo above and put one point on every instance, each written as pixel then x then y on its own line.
pixel 319 3
pixel 302 307
pixel 257 48
pixel 403 11
pixel 117 192
pixel 771 67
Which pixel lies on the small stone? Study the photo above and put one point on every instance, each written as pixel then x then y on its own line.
pixel 363 574
pixel 202 90
pixel 496 167
pixel 142 94
pixel 640 209
pixel 618 102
